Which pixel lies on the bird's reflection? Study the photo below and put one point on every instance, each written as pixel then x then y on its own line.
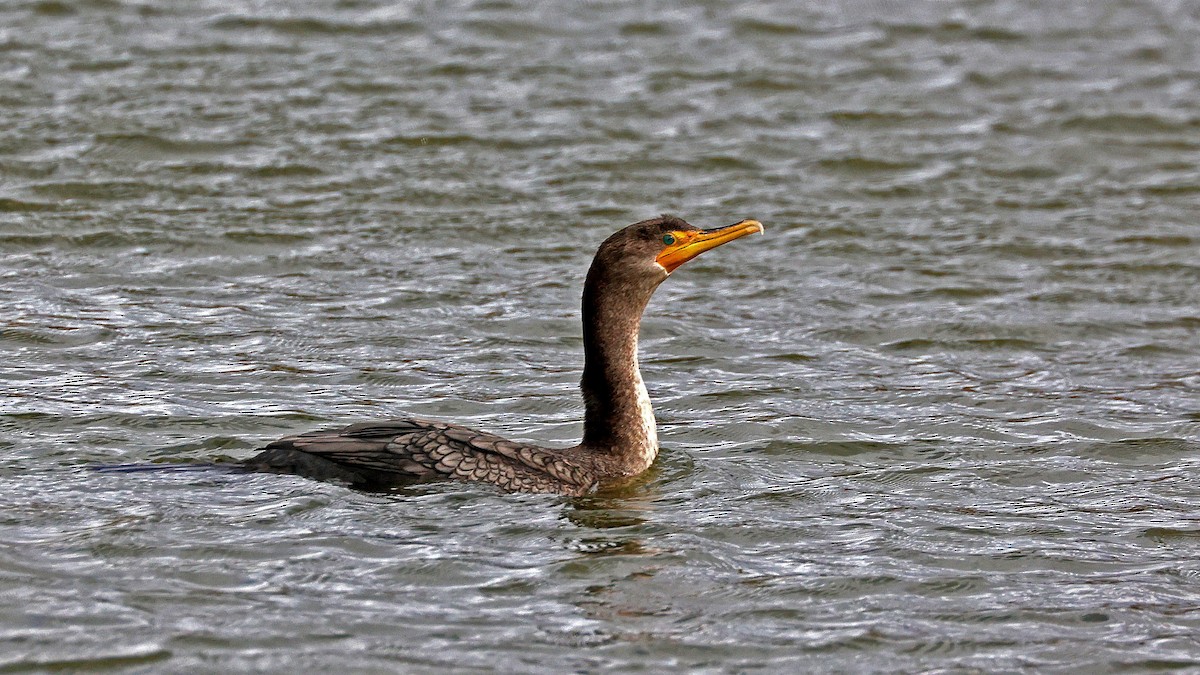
pixel 613 518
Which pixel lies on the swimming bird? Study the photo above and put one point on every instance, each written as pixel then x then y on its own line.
pixel 620 439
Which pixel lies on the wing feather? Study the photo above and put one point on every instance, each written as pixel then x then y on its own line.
pixel 415 448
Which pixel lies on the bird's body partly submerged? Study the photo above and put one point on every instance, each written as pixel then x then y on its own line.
pixel 619 435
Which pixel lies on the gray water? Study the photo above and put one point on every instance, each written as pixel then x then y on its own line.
pixel 943 417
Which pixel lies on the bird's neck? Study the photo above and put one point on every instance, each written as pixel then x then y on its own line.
pixel 619 420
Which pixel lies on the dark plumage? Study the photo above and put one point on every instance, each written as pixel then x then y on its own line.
pixel 619 436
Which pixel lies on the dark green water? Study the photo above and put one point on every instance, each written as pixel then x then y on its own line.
pixel 944 416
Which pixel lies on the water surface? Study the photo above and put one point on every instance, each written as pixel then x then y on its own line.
pixel 944 416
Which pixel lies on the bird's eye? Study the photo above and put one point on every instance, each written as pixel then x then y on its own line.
pixel 668 239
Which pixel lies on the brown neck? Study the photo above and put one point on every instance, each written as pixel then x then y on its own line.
pixel 618 419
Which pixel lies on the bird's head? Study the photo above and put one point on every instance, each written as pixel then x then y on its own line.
pixel 646 253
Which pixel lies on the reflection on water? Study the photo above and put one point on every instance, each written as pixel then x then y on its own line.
pixel 942 417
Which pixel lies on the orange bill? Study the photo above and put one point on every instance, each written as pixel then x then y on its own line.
pixel 690 243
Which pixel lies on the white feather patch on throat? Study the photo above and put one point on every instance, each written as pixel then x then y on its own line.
pixel 646 420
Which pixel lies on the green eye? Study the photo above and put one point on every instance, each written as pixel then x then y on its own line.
pixel 668 239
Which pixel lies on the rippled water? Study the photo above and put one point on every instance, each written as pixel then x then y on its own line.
pixel 944 416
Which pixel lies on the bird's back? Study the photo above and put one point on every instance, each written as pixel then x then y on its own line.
pixel 376 454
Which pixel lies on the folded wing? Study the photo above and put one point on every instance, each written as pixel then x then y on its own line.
pixel 397 451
